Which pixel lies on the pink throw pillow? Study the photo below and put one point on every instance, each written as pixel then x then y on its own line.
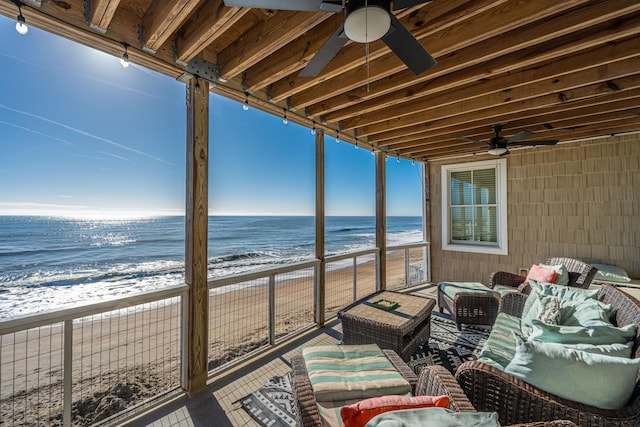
pixel 359 414
pixel 541 274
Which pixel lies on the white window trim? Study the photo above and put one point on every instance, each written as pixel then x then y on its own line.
pixel 501 194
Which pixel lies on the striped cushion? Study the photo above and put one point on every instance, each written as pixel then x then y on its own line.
pixel 500 347
pixel 344 372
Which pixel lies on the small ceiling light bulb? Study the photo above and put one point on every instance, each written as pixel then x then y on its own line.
pixel 21 25
pixel 245 106
pixel 285 120
pixel 124 61
pixel 337 137
pixel 356 146
pixel 398 161
pixel 313 129
pixel 413 162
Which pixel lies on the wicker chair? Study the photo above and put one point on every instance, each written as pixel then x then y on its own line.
pixel 433 381
pixel 580 275
pixel 490 389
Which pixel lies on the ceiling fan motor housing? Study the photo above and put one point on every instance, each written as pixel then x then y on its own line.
pixel 367 20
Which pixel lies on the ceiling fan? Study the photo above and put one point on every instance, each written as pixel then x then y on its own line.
pixel 364 21
pixel 498 145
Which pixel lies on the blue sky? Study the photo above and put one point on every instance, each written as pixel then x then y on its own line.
pixel 82 136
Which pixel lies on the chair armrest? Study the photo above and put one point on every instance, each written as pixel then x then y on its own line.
pixel 437 381
pixel 512 303
pixel 306 407
pixel 505 278
pixel 515 401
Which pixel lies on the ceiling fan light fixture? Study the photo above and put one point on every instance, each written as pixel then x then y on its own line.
pixel 367 23
pixel 497 150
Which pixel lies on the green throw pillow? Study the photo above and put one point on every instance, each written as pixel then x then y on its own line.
pixel 434 417
pixel 561 270
pixel 611 273
pixel 605 382
pixel 562 292
pixel 586 313
pixel 600 334
pixel 617 350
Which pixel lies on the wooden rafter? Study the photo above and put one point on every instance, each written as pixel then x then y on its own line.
pixel 569 69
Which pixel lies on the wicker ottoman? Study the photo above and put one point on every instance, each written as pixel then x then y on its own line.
pixel 401 329
pixel 471 303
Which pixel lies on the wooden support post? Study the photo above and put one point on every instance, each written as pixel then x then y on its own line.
pixel 381 217
pixel 320 282
pixel 426 203
pixel 196 233
pixel 426 216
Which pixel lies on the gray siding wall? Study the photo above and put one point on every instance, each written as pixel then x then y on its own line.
pixel 579 199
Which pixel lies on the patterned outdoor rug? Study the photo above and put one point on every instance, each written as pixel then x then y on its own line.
pixel 447 346
pixel 273 404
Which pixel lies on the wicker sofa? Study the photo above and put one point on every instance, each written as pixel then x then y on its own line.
pixel 580 274
pixel 490 389
pixel 433 381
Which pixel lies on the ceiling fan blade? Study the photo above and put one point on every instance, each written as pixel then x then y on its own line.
pixel 297 5
pixel 326 53
pixel 403 4
pixel 518 136
pixel 408 49
pixel 541 142
pixel 473 140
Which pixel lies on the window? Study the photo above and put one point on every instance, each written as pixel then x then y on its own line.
pixel 474 207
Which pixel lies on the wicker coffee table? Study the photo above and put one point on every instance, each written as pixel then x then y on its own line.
pixel 401 329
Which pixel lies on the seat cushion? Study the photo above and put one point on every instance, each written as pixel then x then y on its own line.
pixel 346 372
pixel 594 379
pixel 452 289
pixel 500 347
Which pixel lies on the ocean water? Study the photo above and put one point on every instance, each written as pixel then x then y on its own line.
pixel 48 263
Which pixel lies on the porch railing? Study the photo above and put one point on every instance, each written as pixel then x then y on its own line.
pixel 90 364
pixel 86 364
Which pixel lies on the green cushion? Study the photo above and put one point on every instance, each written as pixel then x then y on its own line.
pixel 563 292
pixel 434 417
pixel 452 289
pixel 611 273
pixel 533 306
pixel 563 273
pixel 586 313
pixel 602 381
pixel 343 372
pixel 499 348
pixel 600 334
pixel 617 350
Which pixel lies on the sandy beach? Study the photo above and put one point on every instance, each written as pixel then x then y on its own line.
pixel 133 355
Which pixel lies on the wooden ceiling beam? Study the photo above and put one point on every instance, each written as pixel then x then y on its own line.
pixel 163 18
pixel 552 78
pixel 293 57
pixel 443 42
pixel 541 105
pixel 592 131
pixel 530 120
pixel 102 12
pixel 497 112
pixel 264 39
pixel 210 22
pixel 520 48
pixel 541 130
pixel 415 134
pixel 435 17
